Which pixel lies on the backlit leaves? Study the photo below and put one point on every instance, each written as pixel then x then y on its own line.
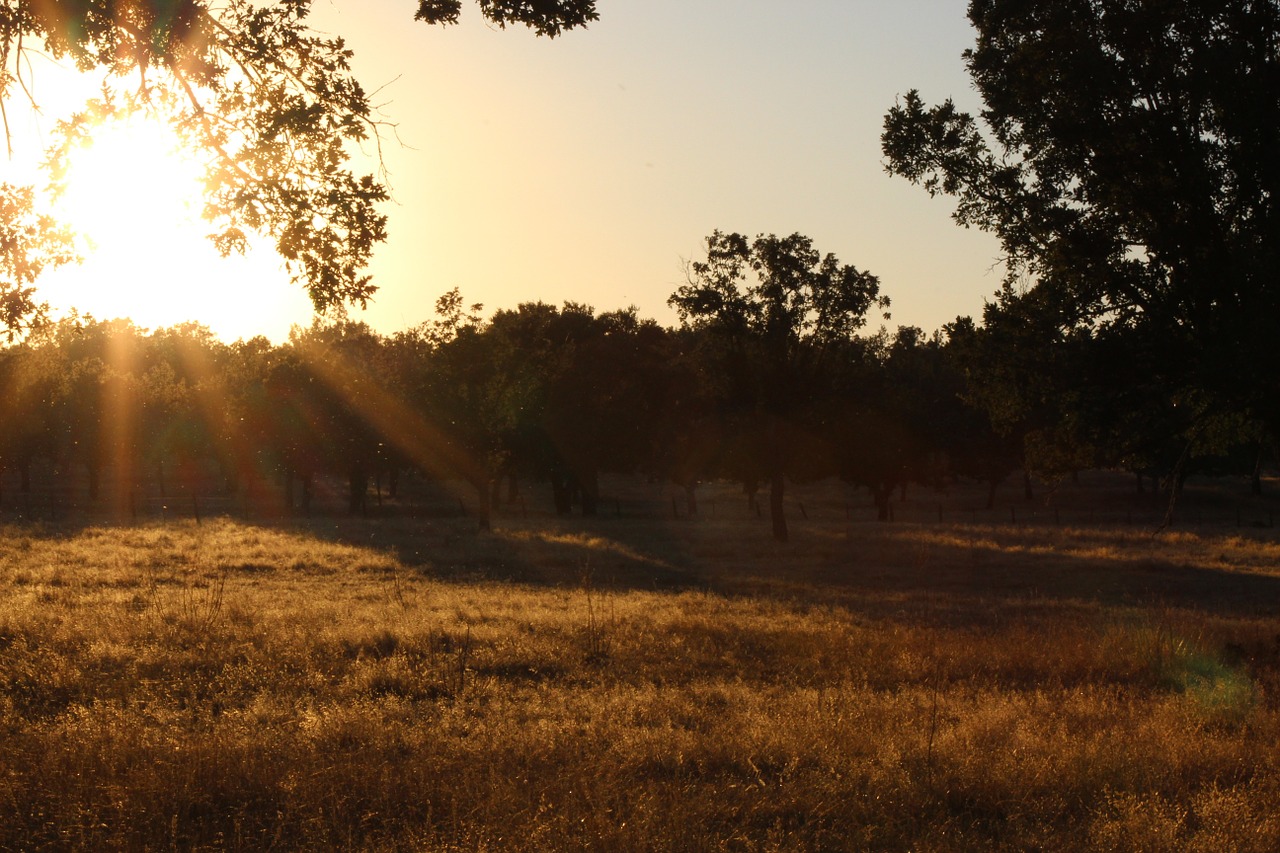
pixel 29 243
pixel 272 104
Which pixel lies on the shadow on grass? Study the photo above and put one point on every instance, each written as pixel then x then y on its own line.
pixel 971 571
pixel 957 572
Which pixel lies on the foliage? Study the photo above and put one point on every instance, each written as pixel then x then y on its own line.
pixel 1125 160
pixel 30 242
pixel 272 104
pixel 776 314
pixel 546 17
pixel 562 395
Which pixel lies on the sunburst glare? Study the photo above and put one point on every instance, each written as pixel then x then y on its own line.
pixel 134 197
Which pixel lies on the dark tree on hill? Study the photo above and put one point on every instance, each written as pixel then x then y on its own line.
pixel 1125 158
pixel 776 313
pixel 270 102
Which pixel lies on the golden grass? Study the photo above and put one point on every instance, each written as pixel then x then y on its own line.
pixel 638 685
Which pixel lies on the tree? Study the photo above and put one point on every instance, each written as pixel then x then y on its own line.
pixel 896 415
pixel 1126 160
pixel 775 312
pixel 271 102
pixel 602 396
pixel 29 383
pixel 29 243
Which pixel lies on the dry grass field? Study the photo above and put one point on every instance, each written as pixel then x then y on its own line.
pixel 640 684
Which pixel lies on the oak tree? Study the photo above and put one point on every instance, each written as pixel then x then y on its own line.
pixel 776 312
pixel 1125 158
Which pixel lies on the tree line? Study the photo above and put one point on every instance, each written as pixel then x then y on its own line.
pixel 1124 156
pixel 771 376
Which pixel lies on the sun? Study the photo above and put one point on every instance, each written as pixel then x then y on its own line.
pixel 133 196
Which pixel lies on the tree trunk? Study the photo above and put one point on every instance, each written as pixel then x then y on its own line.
pixel 561 494
pixel 882 493
pixel 777 489
pixel 1027 492
pixel 485 498
pixel 306 494
pixel 230 478
pixel 393 482
pixel 691 498
pixel 357 485
pixel 591 493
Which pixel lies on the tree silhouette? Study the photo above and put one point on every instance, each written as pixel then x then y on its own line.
pixel 1125 159
pixel 775 313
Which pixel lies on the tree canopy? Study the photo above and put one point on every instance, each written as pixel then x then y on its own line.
pixel 1125 157
pixel 777 312
pixel 273 103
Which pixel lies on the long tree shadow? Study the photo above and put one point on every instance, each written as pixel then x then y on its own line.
pixel 960 573
pixel 974 572
pixel 975 568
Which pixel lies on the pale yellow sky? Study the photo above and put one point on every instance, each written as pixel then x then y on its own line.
pixel 590 167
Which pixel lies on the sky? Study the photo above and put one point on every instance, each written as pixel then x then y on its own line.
pixel 592 167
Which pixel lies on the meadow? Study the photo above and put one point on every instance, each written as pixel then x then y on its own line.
pixel 983 682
